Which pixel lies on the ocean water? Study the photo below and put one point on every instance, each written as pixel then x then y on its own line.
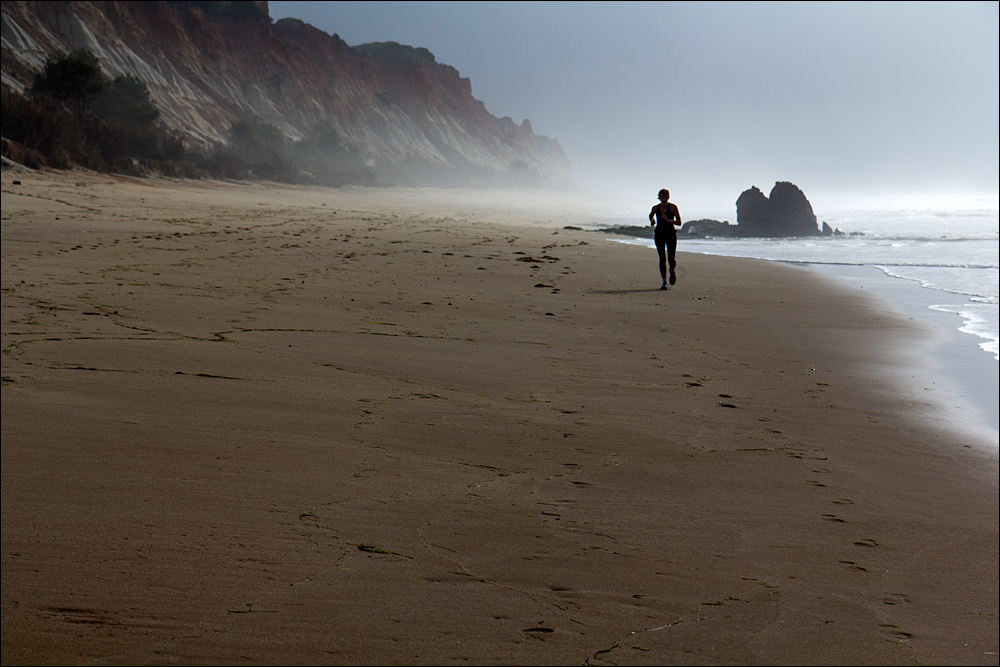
pixel 944 263
pixel 954 253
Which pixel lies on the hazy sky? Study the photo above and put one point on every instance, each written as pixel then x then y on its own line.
pixel 846 100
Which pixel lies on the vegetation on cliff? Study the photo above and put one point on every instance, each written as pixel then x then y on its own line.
pixel 73 115
pixel 222 75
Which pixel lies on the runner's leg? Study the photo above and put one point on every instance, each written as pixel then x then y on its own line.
pixel 671 256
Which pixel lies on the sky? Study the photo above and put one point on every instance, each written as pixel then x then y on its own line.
pixel 851 101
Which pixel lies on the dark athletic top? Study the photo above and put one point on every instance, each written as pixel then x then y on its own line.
pixel 665 220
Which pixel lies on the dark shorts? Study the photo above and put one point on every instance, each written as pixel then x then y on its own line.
pixel 666 247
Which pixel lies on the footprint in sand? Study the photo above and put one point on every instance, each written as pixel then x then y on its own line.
pixel 815 483
pixel 866 543
pixel 896 598
pixel 851 565
pixel 894 632
pixel 833 517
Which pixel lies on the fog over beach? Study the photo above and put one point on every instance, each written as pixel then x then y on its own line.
pixel 852 102
pixel 884 114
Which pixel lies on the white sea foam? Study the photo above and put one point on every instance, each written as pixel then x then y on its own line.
pixel 979 321
pixel 954 251
pixel 953 257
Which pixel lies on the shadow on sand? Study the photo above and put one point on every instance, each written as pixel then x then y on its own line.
pixel 626 291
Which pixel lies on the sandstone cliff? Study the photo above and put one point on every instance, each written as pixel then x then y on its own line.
pixel 210 64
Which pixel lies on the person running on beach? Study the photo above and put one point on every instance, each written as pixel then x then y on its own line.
pixel 663 217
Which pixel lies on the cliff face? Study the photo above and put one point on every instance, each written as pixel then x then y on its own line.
pixel 210 64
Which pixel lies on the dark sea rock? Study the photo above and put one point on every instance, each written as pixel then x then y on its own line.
pixel 786 212
pixel 708 229
pixel 638 231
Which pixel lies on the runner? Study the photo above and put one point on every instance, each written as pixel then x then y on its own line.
pixel 664 216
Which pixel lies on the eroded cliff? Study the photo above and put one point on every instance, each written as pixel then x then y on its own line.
pixel 210 64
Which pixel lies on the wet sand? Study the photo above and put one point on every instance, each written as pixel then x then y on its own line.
pixel 286 425
pixel 955 369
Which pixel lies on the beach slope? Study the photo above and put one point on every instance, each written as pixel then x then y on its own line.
pixel 287 425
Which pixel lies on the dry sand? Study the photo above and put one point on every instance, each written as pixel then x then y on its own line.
pixel 250 424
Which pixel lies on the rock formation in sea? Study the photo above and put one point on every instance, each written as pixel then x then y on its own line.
pixel 208 65
pixel 706 228
pixel 786 212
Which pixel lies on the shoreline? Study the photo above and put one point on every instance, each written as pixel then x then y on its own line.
pixel 252 423
pixel 950 364
pixel 955 363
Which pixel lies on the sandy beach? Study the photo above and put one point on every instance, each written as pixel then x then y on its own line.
pixel 955 368
pixel 256 424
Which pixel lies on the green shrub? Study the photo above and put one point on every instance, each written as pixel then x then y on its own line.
pixel 71 80
pixel 72 115
pixel 39 127
pixel 126 100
